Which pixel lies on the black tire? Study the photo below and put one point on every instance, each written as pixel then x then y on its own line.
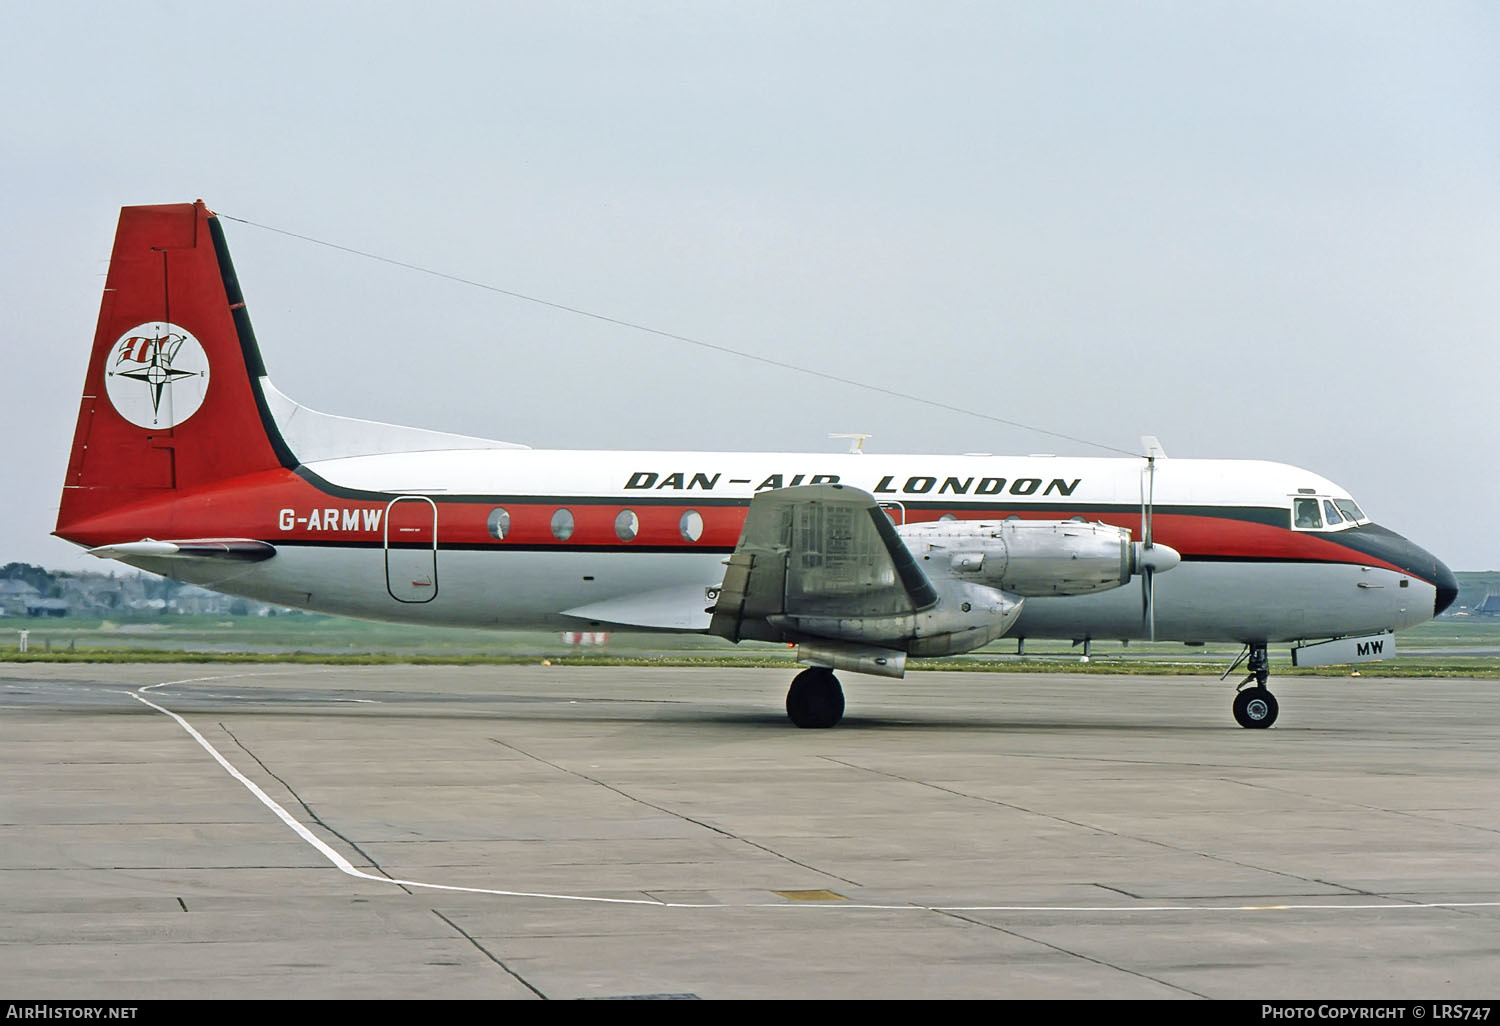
pixel 815 699
pixel 1255 708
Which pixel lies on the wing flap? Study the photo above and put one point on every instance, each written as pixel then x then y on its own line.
pixel 817 552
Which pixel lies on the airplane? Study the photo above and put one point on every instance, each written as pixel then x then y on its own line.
pixel 188 462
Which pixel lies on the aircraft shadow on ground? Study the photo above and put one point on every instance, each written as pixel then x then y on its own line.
pixel 648 712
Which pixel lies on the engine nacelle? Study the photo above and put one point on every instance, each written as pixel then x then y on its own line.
pixel 1025 557
pixel 841 655
pixel 966 616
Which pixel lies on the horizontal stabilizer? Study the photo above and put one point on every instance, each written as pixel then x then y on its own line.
pixel 237 550
pixel 315 436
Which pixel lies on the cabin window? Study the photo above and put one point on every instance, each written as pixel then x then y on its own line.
pixel 691 525
pixel 562 524
pixel 1305 515
pixel 498 523
pixel 627 525
pixel 1331 513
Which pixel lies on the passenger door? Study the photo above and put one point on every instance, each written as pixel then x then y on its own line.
pixel 411 549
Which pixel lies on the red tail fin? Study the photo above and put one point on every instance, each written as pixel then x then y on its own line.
pixel 172 398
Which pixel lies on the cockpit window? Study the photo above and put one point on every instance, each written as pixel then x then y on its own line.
pixel 1351 512
pixel 1312 512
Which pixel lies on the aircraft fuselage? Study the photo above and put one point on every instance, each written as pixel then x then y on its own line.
pixel 520 537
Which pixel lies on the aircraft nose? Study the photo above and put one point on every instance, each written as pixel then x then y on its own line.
pixel 1388 546
pixel 1447 587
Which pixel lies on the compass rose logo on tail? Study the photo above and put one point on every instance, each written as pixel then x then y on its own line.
pixel 156 375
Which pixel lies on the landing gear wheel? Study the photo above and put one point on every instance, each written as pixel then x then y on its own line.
pixel 815 699
pixel 1255 708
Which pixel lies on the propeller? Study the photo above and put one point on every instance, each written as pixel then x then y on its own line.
pixel 1150 557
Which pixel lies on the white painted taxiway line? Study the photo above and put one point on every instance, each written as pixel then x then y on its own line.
pixel 345 866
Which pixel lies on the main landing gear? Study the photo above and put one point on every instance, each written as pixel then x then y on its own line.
pixel 1254 705
pixel 815 698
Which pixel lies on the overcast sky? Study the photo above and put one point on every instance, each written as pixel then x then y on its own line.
pixel 1265 230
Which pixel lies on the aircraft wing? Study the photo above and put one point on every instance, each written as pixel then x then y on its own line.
pixel 816 552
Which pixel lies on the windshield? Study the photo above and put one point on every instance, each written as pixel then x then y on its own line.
pixel 1323 513
pixel 1349 509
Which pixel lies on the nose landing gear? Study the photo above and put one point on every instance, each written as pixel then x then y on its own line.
pixel 1254 705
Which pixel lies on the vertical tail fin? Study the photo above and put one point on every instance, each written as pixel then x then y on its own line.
pixel 172 399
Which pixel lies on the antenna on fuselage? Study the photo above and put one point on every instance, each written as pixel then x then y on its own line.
pixel 856 440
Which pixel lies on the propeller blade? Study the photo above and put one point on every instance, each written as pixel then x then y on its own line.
pixel 1148 563
pixel 1146 553
pixel 1148 500
pixel 1149 556
pixel 1148 602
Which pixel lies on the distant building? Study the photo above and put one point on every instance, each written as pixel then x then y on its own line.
pixel 195 601
pixel 47 607
pixel 15 596
pixel 1488 606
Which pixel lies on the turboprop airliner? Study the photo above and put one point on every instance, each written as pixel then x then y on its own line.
pixel 188 462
